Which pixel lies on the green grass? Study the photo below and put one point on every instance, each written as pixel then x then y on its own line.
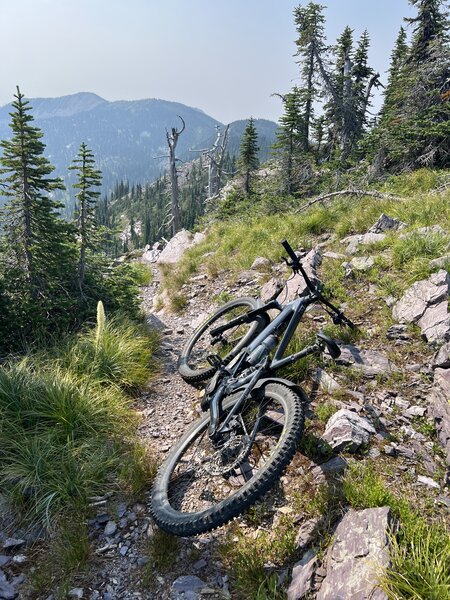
pixel 66 428
pixel 232 244
pixel 68 556
pixel 246 558
pixel 420 551
pixel 141 273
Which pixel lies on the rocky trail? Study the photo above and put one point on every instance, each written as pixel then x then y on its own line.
pixel 389 397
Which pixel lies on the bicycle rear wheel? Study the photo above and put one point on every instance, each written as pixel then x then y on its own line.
pixel 193 365
pixel 202 486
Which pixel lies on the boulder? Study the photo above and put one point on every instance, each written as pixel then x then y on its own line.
pixel 271 289
pixel 385 223
pixel 302 576
pixel 306 533
pixel 346 430
pixel 260 263
pixel 425 303
pixel 441 262
pixel 430 230
pixel 440 408
pixel 334 255
pixel 325 381
pixel 187 585
pixel 369 362
pixel 354 241
pixel 296 285
pixel 359 550
pixel 178 245
pixel 362 263
pixel 328 469
pixel 442 357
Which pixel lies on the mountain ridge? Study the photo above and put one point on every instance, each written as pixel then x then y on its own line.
pixel 124 135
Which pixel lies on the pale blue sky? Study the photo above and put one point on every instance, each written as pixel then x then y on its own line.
pixel 223 56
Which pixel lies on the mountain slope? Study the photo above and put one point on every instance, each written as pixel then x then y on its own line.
pixel 125 136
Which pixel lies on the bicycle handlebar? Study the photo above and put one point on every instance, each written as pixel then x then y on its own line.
pixel 296 265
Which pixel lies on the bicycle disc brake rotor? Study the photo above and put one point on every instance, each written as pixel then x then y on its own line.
pixel 228 456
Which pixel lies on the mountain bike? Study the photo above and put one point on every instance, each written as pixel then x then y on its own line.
pixel 253 420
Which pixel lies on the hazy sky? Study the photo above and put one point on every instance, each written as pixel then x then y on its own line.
pixel 224 56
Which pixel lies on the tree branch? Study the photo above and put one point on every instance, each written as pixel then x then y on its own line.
pixel 359 193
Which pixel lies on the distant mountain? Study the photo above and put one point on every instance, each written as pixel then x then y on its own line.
pixel 125 136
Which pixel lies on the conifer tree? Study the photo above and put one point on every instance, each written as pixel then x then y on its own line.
pixel 309 21
pixel 414 129
pixel 248 154
pixel 38 246
pixel 88 178
pixel 290 136
pixel 429 26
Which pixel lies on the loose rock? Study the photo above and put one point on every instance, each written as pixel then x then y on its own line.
pixel 302 576
pixel 385 223
pixel 359 550
pixel 348 431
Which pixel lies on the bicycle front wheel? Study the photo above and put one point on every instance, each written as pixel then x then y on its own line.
pixel 193 365
pixel 201 486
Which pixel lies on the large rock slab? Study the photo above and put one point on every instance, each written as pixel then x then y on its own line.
pixel 178 245
pixel 369 362
pixel 425 231
pixel 296 285
pixel 425 303
pixel 346 430
pixel 420 296
pixel 360 549
pixel 302 577
pixel 354 241
pixel 386 223
pixel 271 289
pixel 440 408
pixel 441 359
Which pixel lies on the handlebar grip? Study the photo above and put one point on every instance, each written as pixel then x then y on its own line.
pixel 289 250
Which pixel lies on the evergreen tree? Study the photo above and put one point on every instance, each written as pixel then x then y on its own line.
pixel 309 22
pixel 38 246
pixel 290 136
pixel 361 74
pixel 429 26
pixel 399 56
pixel 338 109
pixel 248 154
pixel 88 178
pixel 414 128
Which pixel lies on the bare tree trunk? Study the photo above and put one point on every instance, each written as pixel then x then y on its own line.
pixel 172 140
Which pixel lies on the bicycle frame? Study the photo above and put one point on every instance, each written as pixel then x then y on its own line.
pixel 292 312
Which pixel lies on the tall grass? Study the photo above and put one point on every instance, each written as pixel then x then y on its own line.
pixel 420 552
pixel 233 244
pixel 66 428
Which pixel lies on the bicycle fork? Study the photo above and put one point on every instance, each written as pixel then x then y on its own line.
pixel 214 429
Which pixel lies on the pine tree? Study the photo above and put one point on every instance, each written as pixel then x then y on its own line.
pixel 430 25
pixel 338 110
pixel 414 128
pixel 38 246
pixel 361 74
pixel 399 56
pixel 309 22
pixel 290 136
pixel 248 154
pixel 88 178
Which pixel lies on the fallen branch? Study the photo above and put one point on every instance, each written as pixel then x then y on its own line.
pixel 359 193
